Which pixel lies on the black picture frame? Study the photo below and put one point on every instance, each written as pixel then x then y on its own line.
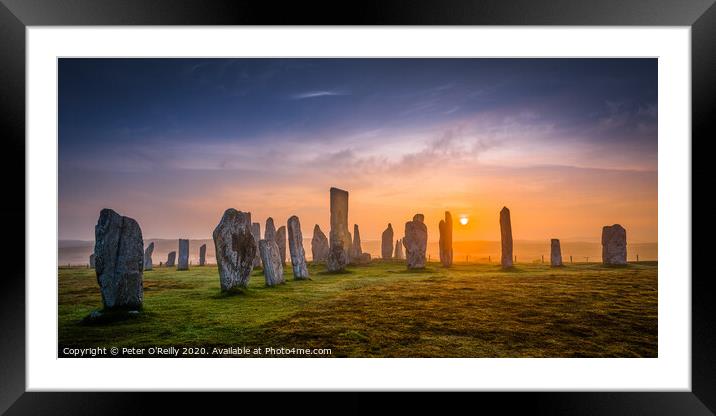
pixel 15 15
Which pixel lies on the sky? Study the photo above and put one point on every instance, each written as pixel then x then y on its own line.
pixel 568 145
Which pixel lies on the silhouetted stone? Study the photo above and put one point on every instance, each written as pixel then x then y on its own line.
pixel 386 243
pixel 295 247
pixel 398 250
pixel 91 261
pixel 271 259
pixel 183 263
pixel 415 242
pixel 119 261
pixel 337 258
pixel 506 237
pixel 202 255
pixel 256 233
pixel 419 217
pixel 356 250
pixel 445 242
pixel 281 243
pixel 148 256
pixel 270 231
pixel 171 259
pixel 339 220
pixel 614 245
pixel 319 245
pixel 235 249
pixel 555 255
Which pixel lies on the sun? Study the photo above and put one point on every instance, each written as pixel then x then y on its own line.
pixel 464 220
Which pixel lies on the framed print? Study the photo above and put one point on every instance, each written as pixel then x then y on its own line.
pixel 483 198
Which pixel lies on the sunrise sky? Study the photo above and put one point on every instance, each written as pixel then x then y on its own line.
pixel 569 145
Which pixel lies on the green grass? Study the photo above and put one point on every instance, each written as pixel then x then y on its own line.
pixel 383 310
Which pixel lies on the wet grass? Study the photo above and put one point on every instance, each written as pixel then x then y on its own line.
pixel 383 310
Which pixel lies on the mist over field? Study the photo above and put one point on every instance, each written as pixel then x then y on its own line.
pixel 75 252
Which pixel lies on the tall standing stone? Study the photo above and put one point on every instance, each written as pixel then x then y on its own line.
pixel 295 247
pixel 148 256
pixel 386 244
pixel 555 253
pixel 202 255
pixel 235 249
pixel 319 245
pixel 415 242
pixel 398 250
pixel 256 233
pixel 506 237
pixel 339 220
pixel 281 243
pixel 273 269
pixel 445 242
pixel 171 259
pixel 614 245
pixel 356 250
pixel 270 231
pixel 91 261
pixel 119 260
pixel 183 263
pixel 337 258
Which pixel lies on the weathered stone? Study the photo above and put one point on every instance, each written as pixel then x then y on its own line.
pixel 270 231
pixel 91 261
pixel 614 245
pixel 295 247
pixel 506 237
pixel 281 243
pixel 555 256
pixel 339 220
pixel 445 242
pixel 235 249
pixel 148 256
pixel 183 263
pixel 386 243
pixel 319 245
pixel 119 260
pixel 202 255
pixel 256 233
pixel 171 259
pixel 398 250
pixel 273 269
pixel 419 217
pixel 337 258
pixel 415 242
pixel 356 250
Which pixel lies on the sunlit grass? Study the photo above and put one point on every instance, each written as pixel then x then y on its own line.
pixel 383 310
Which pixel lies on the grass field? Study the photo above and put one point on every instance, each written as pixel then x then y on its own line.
pixel 383 310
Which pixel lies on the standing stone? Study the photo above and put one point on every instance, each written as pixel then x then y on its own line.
pixel 356 250
pixel 235 249
pixel 614 245
pixel 281 243
pixel 91 261
pixel 506 237
pixel 416 242
pixel 339 220
pixel 319 245
pixel 398 250
pixel 148 257
pixel 171 259
pixel 202 255
pixel 386 244
pixel 445 242
pixel 273 269
pixel 270 231
pixel 119 258
pixel 555 255
pixel 256 233
pixel 295 246
pixel 183 255
pixel 337 258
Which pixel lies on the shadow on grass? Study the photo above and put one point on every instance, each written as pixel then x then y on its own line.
pixel 339 272
pixel 424 270
pixel 237 291
pixel 108 317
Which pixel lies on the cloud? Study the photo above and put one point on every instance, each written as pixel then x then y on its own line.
pixel 316 94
